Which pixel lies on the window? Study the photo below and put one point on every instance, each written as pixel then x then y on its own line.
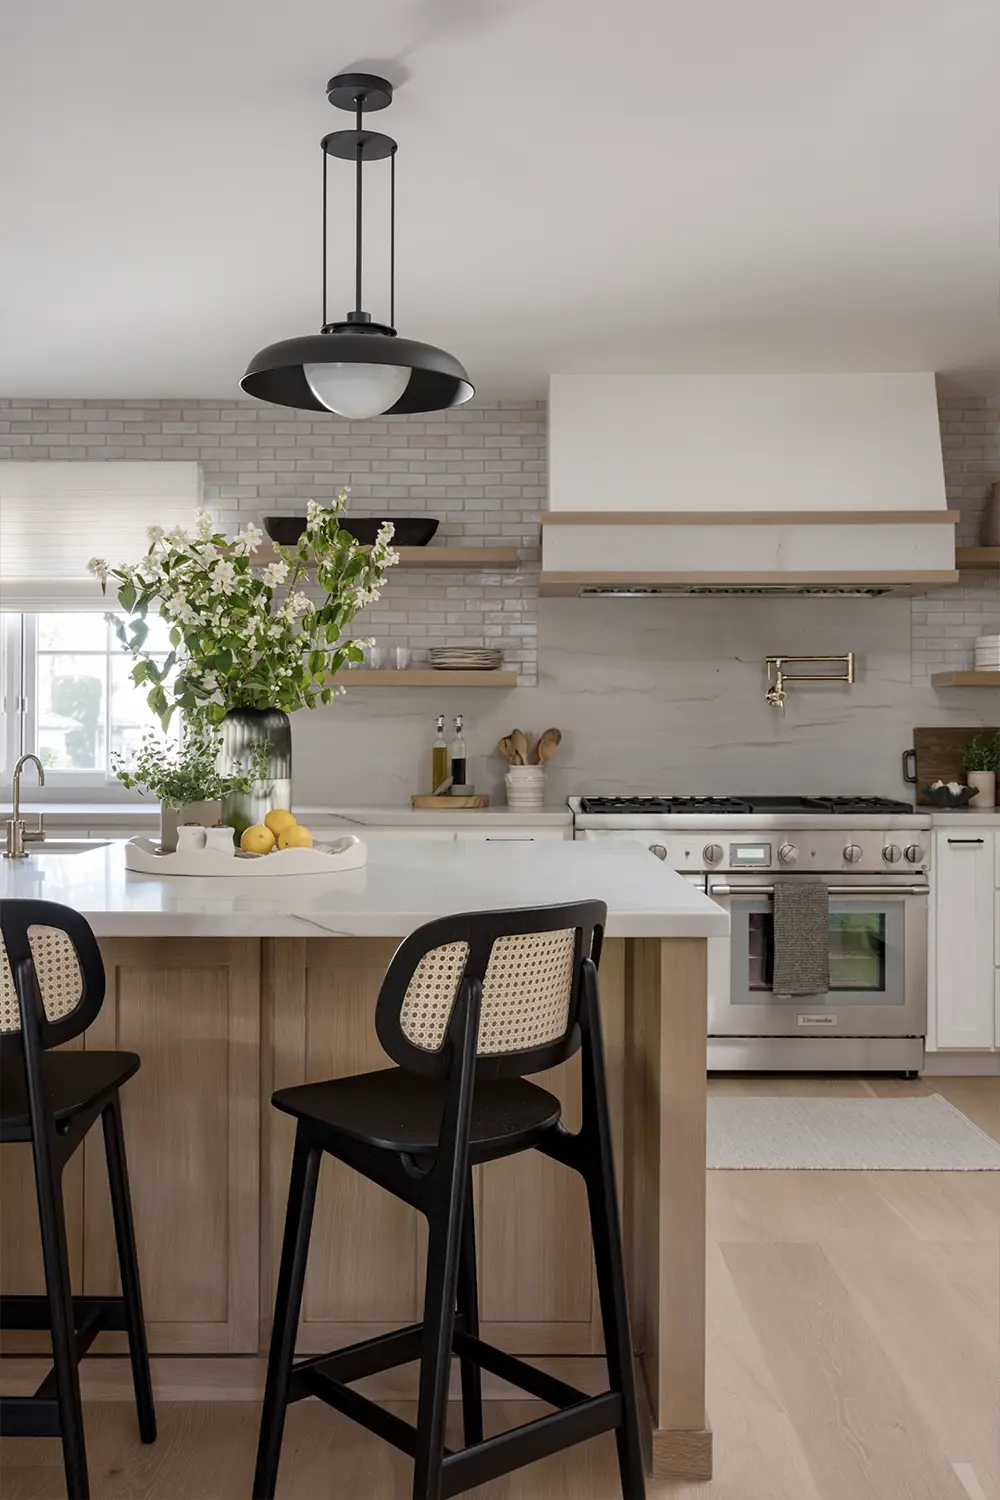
pixel 69 695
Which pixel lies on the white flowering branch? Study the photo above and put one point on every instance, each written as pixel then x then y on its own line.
pixel 243 636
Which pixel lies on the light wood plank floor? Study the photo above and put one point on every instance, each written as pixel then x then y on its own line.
pixel 854 1354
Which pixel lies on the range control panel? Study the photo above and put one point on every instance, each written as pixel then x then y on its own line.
pixel 895 851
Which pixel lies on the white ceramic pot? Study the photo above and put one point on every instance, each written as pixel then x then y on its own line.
pixel 205 813
pixel 985 783
pixel 525 787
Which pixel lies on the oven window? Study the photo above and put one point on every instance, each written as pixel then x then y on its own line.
pixel 857 951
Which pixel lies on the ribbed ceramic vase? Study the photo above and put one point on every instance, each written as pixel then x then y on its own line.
pixel 242 729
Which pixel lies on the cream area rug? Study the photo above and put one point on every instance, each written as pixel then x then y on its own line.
pixel 790 1133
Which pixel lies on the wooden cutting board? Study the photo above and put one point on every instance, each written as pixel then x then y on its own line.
pixel 939 753
pixel 448 804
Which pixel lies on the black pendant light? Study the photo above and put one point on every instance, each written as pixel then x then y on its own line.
pixel 358 368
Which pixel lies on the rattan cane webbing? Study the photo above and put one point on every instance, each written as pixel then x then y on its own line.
pixel 526 993
pixel 59 979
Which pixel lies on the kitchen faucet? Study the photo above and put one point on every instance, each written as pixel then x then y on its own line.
pixel 16 831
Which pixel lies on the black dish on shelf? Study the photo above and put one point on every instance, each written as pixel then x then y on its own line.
pixel 942 796
pixel 410 531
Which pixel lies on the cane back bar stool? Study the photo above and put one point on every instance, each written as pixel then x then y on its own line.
pixel 468 1006
pixel 51 989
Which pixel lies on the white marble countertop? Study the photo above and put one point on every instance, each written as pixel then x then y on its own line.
pixel 403 885
pixel 135 814
pixel 986 817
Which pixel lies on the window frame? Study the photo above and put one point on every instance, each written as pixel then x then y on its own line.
pixel 19 659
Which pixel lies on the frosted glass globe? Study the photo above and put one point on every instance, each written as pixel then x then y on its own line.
pixel 354 390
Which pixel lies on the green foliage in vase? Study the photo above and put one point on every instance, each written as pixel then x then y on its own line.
pixel 244 636
pixel 982 754
pixel 179 774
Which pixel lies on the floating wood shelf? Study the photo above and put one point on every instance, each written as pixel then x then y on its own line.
pixel 966 679
pixel 423 677
pixel 977 557
pixel 502 558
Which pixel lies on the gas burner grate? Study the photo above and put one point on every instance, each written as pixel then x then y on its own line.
pixel 659 805
pixel 843 806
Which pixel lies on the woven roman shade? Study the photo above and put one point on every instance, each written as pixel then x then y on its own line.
pixel 54 517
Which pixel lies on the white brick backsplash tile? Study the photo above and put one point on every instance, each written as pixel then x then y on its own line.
pixel 481 471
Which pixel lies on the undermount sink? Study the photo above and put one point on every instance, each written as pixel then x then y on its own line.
pixel 62 846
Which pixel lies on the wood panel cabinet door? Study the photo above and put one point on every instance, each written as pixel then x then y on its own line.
pixel 190 1007
pixel 963 939
pixel 366 1262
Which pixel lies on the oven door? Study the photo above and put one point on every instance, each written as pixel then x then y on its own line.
pixel 878 964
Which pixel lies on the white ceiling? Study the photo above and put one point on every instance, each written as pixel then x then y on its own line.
pixel 582 185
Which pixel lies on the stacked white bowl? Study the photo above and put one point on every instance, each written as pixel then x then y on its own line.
pixel 988 653
pixel 525 787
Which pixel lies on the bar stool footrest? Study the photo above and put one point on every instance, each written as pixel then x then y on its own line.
pixel 32 1315
pixel 531 1441
pixel 369 1357
pixel 29 1416
pixel 517 1372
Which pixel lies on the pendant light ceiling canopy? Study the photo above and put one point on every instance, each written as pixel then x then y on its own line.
pixel 357 368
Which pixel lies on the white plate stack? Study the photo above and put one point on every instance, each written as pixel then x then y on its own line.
pixel 464 658
pixel 988 653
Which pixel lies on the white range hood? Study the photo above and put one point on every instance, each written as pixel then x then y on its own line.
pixel 693 485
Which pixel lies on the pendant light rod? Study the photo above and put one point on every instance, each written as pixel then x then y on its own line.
pixel 358 209
pixel 324 323
pixel 392 240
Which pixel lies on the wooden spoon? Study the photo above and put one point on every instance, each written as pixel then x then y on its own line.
pixel 520 742
pixel 548 744
pixel 506 750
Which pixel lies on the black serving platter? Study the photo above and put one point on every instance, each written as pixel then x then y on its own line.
pixel 410 531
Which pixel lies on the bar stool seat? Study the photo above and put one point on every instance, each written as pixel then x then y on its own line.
pixel 74 1082
pixel 395 1110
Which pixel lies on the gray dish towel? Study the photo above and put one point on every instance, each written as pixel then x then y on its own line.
pixel 801 936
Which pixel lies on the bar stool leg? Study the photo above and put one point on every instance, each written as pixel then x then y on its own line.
pixel 468 1306
pixel 609 1259
pixel 55 1258
pixel 128 1267
pixel 287 1305
pixel 441 1291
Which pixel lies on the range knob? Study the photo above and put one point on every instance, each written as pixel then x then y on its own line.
pixel 788 854
pixel 658 850
pixel 852 853
pixel 913 853
pixel 892 854
pixel 712 853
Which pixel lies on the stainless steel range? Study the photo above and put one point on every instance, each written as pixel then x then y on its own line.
pixel 874 854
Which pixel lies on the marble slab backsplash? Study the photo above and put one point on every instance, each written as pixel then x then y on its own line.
pixel 651 694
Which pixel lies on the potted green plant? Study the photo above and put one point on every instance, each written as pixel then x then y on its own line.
pixel 248 644
pixel 185 779
pixel 981 760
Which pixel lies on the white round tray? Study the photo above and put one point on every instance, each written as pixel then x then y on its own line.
pixel 347 853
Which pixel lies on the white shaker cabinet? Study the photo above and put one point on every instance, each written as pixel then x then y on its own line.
pixel 964 946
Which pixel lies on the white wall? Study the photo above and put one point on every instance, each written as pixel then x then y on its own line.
pixel 659 695
pixel 734 442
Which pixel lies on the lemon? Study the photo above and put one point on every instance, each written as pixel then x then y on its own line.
pixel 278 820
pixel 294 837
pixel 257 840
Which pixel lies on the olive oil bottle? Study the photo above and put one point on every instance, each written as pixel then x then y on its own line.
pixel 439 756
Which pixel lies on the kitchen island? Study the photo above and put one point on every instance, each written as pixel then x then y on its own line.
pixel 230 988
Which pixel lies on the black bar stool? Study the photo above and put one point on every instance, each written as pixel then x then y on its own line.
pixel 51 989
pixel 468 1006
